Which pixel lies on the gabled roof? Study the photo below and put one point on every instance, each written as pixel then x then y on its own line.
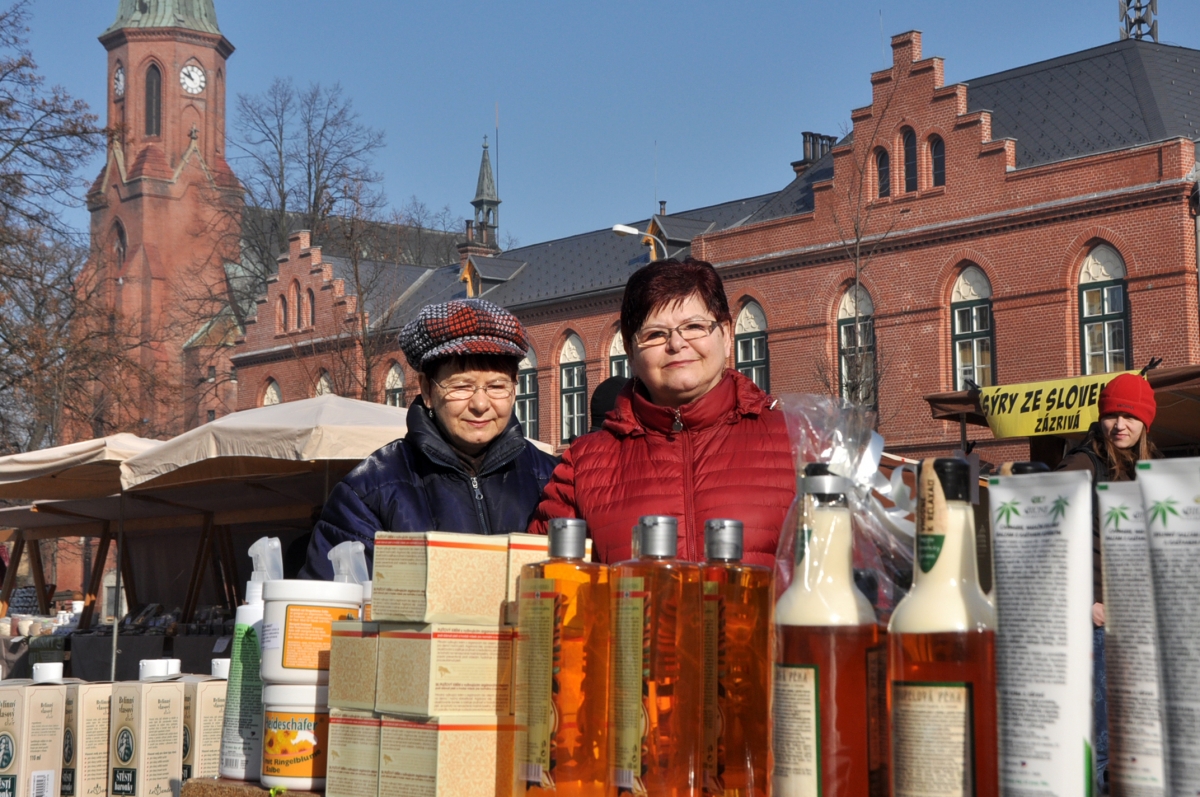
pixel 380 282
pixel 496 269
pixel 188 14
pixel 681 229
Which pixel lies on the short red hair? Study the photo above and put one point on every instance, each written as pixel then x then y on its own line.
pixel 667 282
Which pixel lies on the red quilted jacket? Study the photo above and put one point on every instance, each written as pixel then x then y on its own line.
pixel 725 455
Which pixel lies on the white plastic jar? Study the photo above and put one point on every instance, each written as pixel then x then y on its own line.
pixel 295 750
pixel 297 631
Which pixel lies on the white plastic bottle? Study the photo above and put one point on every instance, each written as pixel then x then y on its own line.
pixel 350 567
pixel 242 735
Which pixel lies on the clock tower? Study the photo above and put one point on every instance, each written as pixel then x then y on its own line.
pixel 165 210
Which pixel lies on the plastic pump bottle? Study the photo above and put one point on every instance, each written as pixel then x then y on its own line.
pixel 242 735
pixel 350 567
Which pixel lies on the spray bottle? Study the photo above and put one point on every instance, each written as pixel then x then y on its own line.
pixel 241 739
pixel 350 567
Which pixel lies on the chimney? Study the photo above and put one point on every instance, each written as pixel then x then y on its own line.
pixel 816 146
pixel 662 207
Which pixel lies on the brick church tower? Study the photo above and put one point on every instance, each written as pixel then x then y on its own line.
pixel 165 210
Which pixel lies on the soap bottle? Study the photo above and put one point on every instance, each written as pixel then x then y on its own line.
pixel 242 733
pixel 563 658
pixel 657 687
pixel 737 673
pixel 942 650
pixel 830 685
pixel 349 561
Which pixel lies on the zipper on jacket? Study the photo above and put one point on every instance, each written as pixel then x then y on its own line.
pixel 678 425
pixel 483 524
pixel 689 509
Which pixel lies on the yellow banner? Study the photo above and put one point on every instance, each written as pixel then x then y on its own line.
pixel 1059 406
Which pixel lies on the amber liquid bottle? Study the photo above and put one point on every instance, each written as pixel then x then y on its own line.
pixel 737 669
pixel 657 732
pixel 942 651
pixel 562 675
pixel 830 692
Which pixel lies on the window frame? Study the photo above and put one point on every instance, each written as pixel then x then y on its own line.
pixel 620 361
pixel 573 400
pixel 937 161
pixel 883 173
pixel 527 402
pixel 957 337
pixel 153 101
pixel 751 367
pixel 862 350
pixel 1105 318
pixel 908 140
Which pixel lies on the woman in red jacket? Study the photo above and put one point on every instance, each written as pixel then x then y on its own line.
pixel 688 437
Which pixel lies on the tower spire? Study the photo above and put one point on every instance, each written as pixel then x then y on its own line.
pixel 486 201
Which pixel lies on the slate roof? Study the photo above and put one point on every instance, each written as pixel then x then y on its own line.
pixel 382 282
pixel 189 14
pixel 797 197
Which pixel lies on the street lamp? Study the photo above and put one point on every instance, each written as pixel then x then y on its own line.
pixel 624 229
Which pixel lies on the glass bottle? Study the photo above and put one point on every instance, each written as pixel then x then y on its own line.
pixel 942 652
pixel 830 687
pixel 657 668
pixel 737 675
pixel 563 660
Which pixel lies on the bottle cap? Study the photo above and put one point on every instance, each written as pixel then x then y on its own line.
pixel 267 555
pixel 174 666
pixel 660 535
pixel 1019 468
pixel 820 480
pixel 220 668
pixel 722 539
pixel 955 476
pixel 47 672
pixel 568 537
pixel 152 668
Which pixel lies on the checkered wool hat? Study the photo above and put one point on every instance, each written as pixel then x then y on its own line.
pixel 462 327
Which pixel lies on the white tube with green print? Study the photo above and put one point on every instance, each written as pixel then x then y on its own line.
pixel 1042 547
pixel 1171 497
pixel 1135 739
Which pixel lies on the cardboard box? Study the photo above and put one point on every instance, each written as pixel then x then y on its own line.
pixel 353 754
pixel 85 739
pixel 439 577
pixel 444 670
pixel 203 720
pixel 352 665
pixel 145 739
pixel 527 549
pixel 440 757
pixel 32 721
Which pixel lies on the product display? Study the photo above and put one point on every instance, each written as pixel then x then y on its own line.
pixel 146 737
pixel 32 722
pixel 440 577
pixel 85 739
pixel 203 719
pixel 298 618
pixel 448 669
pixel 353 660
pixel 470 756
pixel 353 769
pixel 296 736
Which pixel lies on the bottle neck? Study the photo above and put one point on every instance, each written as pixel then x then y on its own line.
pixel 946 549
pixel 718 560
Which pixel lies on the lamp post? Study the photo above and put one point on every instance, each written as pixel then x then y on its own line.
pixel 624 229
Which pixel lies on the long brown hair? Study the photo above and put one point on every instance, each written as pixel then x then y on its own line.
pixel 1122 460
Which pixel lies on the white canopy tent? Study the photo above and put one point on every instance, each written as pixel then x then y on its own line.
pixel 87 469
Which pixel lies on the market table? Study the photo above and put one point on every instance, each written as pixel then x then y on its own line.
pixel 208 787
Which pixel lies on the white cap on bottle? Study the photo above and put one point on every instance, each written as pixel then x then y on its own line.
pixel 220 668
pixel 47 672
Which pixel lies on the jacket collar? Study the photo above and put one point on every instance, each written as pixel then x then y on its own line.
pixel 426 436
pixel 734 397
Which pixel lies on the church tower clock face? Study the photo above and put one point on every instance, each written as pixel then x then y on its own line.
pixel 191 77
pixel 119 82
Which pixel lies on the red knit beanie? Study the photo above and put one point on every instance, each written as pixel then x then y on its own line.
pixel 1129 394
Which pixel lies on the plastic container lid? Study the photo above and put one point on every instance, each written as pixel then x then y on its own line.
pixel 1019 468
pixel 152 668
pixel 220 668
pixel 296 695
pixel 955 476
pixel 722 539
pixel 568 538
pixel 659 535
pixel 47 672
pixel 820 480
pixel 174 666
pixel 305 591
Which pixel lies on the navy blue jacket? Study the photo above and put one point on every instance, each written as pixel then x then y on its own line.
pixel 419 484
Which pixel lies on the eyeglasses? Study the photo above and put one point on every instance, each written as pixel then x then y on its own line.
pixel 462 391
pixel 658 336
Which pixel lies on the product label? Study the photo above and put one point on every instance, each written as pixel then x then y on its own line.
pixel 877 716
pixel 242 732
pixel 308 635
pixel 8 786
pixel 929 548
pixel 537 646
pixel 931 728
pixel 67 786
pixel 294 745
pixel 272 636
pixel 41 782
pixel 714 661
pixel 629 625
pixel 797 741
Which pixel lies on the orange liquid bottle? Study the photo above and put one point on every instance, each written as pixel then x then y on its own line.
pixel 562 676
pixel 830 689
pixel 737 675
pixel 942 652
pixel 657 668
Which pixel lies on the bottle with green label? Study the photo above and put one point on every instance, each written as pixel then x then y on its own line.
pixel 562 669
pixel 657 712
pixel 942 651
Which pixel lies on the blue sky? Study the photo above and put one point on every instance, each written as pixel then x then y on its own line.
pixel 588 92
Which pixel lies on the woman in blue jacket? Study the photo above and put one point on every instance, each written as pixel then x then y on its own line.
pixel 464 464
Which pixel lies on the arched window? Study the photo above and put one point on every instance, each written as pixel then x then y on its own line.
pixel 909 138
pixel 393 385
pixel 937 159
pixel 1105 337
pixel 618 360
pixel 120 244
pixel 856 347
pixel 750 345
pixel 883 173
pixel 972 336
pixel 312 311
pixel 573 384
pixel 272 394
pixel 281 315
pixel 300 314
pixel 527 395
pixel 153 101
pixel 324 386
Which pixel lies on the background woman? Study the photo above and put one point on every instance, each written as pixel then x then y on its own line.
pixel 688 437
pixel 464 464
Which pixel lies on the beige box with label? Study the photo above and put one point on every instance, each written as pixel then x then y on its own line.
pixel 468 756
pixel 439 577
pixel 145 742
pixel 85 739
pixel 353 769
pixel 444 670
pixel 32 720
pixel 527 549
pixel 352 665
pixel 203 720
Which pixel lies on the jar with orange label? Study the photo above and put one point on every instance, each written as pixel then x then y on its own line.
pixel 298 627
pixel 295 737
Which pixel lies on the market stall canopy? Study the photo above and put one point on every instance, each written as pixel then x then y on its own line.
pixel 87 469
